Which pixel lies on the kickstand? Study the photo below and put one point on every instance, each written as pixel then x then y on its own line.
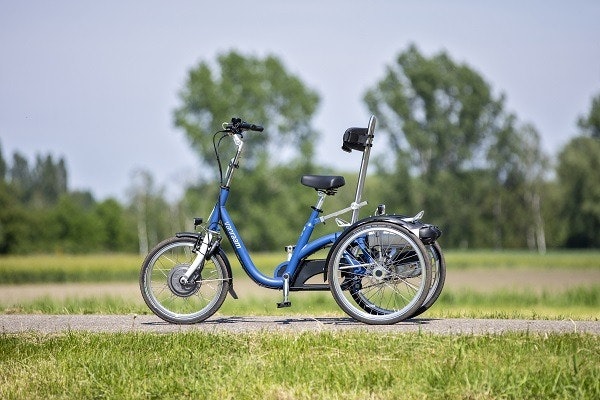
pixel 286 292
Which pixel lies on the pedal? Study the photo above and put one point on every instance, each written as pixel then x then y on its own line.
pixel 286 292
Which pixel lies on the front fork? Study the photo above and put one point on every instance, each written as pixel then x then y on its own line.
pixel 202 252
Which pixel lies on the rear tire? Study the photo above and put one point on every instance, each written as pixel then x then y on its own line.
pixel 438 277
pixel 167 297
pixel 379 273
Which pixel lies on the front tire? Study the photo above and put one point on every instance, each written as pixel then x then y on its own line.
pixel 167 297
pixel 379 273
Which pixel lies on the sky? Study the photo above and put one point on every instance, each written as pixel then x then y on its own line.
pixel 97 82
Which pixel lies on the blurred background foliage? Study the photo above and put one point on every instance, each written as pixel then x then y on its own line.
pixel 446 144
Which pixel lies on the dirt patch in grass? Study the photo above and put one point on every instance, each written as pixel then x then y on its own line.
pixel 534 279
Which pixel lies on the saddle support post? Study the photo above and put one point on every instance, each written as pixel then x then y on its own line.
pixel 363 167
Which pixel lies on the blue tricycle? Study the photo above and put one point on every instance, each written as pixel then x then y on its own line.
pixel 380 270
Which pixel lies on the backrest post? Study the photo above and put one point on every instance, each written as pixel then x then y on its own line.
pixel 363 166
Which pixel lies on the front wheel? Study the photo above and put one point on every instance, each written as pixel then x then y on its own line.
pixel 173 301
pixel 379 273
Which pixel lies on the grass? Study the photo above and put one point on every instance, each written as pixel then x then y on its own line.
pixel 326 365
pixel 50 268
pixel 125 267
pixel 574 302
pixel 579 303
pixel 571 259
pixel 286 366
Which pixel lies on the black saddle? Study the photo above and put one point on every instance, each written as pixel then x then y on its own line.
pixel 327 183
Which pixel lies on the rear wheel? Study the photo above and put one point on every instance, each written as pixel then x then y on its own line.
pixel 181 303
pixel 438 277
pixel 379 273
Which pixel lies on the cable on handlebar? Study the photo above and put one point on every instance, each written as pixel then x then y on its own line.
pixel 216 145
pixel 236 127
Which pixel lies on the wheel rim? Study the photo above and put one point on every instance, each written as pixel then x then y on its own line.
pixel 379 274
pixel 168 296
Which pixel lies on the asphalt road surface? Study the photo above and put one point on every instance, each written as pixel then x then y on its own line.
pixel 10 324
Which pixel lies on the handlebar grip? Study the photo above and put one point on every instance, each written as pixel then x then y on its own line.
pixel 251 127
pixel 237 125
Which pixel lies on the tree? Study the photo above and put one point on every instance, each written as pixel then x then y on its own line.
pixel 590 124
pixel 518 167
pixel 16 235
pixel 20 177
pixel 3 167
pixel 74 227
pixel 41 185
pixel 39 214
pixel 467 160
pixel 579 181
pixel 117 235
pixel 578 166
pixel 436 113
pixel 534 164
pixel 152 211
pixel 259 90
pixel 50 180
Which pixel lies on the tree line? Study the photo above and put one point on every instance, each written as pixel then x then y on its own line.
pixel 452 149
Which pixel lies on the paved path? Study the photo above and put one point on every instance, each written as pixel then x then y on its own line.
pixel 150 323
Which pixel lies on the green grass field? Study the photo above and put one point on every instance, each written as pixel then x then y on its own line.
pixel 49 268
pixel 123 267
pixel 581 303
pixel 574 302
pixel 317 365
pixel 299 366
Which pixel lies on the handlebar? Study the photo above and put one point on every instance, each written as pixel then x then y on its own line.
pixel 239 126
